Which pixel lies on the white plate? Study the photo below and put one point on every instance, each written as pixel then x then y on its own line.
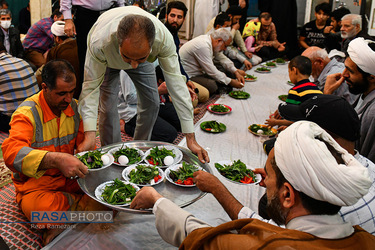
pixel 100 189
pixel 175 167
pixel 113 150
pixel 263 72
pixel 176 159
pixel 226 162
pixel 104 166
pixel 126 171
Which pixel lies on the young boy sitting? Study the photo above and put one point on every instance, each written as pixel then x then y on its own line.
pixel 299 72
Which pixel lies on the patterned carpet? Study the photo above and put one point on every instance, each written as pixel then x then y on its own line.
pixel 15 229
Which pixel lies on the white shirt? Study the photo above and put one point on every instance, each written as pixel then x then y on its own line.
pixel 103 52
pixel 197 59
pixel 97 5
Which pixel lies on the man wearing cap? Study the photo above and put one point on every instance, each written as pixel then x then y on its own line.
pixel 305 190
pixel 66 48
pixel 322 66
pixel 359 74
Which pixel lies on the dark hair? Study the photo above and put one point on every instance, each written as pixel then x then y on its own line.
pixel 339 13
pixel 140 3
pixel 325 7
pixel 159 73
pixel 56 13
pixel 57 69
pixel 315 207
pixel 137 27
pixel 176 5
pixel 302 63
pixel 4 2
pixel 2 48
pixel 234 10
pixel 265 15
pixel 221 19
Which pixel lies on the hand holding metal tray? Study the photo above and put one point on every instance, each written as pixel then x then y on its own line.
pixel 181 196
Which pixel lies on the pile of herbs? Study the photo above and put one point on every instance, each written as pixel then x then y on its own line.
pixel 271 64
pixel 237 172
pixel 213 126
pixel 265 69
pixel 92 159
pixel 219 108
pixel 132 154
pixel 183 175
pixel 156 156
pixel 239 94
pixel 250 77
pixel 266 130
pixel 118 193
pixel 143 174
pixel 280 60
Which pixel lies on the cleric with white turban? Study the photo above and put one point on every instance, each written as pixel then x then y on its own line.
pixel 362 55
pixel 311 168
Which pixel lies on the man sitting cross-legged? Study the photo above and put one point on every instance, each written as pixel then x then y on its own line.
pixel 45 130
pixel 305 191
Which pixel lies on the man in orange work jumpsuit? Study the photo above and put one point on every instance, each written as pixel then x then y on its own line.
pixel 45 130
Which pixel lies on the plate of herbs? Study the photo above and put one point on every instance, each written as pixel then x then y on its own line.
pixel 220 109
pixel 263 70
pixel 116 192
pixel 262 130
pixel 158 156
pixel 283 97
pixel 95 160
pixel 143 174
pixel 181 174
pixel 213 126
pixel 238 172
pixel 270 64
pixel 133 155
pixel 250 78
pixel 280 61
pixel 239 94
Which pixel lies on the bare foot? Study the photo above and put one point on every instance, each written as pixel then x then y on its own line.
pixel 50 234
pixel 197 111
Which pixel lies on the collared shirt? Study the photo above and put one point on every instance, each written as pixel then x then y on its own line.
pixel 39 37
pixel 197 59
pixel 17 82
pixel 6 40
pixel 97 5
pixel 363 212
pixel 103 52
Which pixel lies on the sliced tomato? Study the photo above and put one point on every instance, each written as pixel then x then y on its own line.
pixel 156 178
pixel 208 129
pixel 152 162
pixel 188 181
pixel 247 180
pixel 179 181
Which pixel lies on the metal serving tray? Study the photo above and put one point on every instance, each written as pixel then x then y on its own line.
pixel 182 196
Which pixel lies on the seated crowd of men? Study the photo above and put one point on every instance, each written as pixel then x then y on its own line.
pixel 140 80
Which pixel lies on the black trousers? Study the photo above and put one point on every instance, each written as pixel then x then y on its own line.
pixel 4 123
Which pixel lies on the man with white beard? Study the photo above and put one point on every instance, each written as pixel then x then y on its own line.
pixel 197 59
pixel 351 28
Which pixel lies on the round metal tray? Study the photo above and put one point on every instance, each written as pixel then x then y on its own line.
pixel 180 195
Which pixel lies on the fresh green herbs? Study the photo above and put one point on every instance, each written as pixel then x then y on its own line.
pixel 157 155
pixel 239 94
pixel 219 108
pixel 183 175
pixel 143 174
pixel 213 126
pixel 118 193
pixel 262 130
pixel 280 60
pixel 92 159
pixel 271 64
pixel 264 69
pixel 250 77
pixel 132 154
pixel 237 171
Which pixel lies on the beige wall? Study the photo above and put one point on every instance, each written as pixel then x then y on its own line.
pixel 39 9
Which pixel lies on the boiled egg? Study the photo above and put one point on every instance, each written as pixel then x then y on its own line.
pixel 123 160
pixel 105 159
pixel 260 131
pixel 168 160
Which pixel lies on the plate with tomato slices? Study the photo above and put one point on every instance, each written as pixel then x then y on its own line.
pixel 143 174
pixel 182 174
pixel 156 156
pixel 237 172
pixel 220 109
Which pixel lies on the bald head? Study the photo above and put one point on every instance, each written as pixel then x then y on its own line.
pixel 319 59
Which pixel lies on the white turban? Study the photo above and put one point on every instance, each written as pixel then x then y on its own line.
pixel 362 55
pixel 310 167
pixel 57 28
